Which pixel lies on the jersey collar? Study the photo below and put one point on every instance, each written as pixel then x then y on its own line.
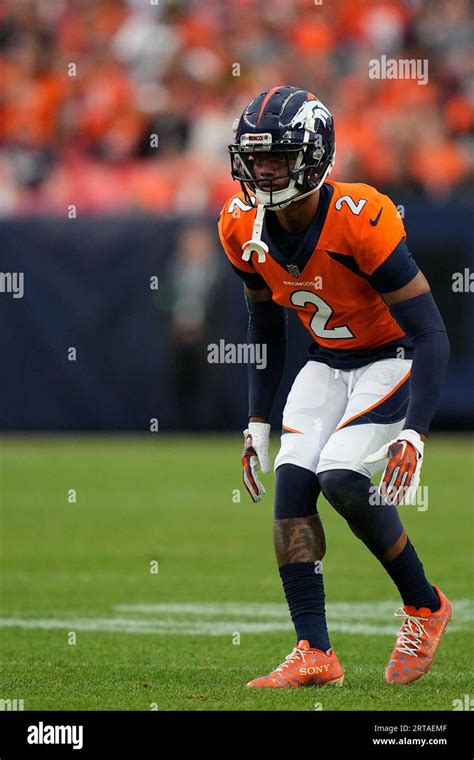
pixel 307 243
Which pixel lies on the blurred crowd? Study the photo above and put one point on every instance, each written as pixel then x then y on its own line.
pixel 124 105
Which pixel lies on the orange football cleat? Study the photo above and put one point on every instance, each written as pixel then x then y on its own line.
pixel 303 667
pixel 417 641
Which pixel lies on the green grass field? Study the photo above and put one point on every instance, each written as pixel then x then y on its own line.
pixel 190 635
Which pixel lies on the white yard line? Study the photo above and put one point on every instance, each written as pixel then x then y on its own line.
pixel 463 608
pixel 212 619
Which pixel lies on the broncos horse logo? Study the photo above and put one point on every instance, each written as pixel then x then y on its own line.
pixel 307 114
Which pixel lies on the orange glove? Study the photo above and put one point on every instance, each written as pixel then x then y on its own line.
pixel 401 476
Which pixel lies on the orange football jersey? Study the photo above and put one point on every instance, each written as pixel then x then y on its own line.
pixel 328 278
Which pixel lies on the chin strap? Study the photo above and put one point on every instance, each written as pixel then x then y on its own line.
pixel 256 245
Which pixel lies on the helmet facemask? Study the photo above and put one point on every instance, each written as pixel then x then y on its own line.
pixel 301 169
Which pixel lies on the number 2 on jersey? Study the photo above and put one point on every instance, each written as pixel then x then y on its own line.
pixel 321 316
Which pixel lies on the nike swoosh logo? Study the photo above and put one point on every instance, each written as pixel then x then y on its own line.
pixel 375 221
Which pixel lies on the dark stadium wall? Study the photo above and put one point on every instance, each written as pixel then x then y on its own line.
pixel 96 343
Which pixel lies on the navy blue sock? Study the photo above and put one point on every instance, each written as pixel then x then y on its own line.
pixel 408 574
pixel 304 591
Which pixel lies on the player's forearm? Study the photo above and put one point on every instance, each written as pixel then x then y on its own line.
pixel 420 319
pixel 266 328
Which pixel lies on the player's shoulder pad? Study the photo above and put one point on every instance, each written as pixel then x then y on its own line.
pixel 235 210
pixel 235 225
pixel 374 224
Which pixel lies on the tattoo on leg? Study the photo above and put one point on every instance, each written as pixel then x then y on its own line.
pixel 299 539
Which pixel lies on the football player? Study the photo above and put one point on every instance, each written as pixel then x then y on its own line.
pixel 336 253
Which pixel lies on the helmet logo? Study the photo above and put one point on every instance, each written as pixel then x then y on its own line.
pixel 306 116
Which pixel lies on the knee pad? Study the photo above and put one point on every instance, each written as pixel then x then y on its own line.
pixel 342 489
pixel 377 525
pixel 296 492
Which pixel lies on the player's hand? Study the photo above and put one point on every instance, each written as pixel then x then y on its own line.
pixel 255 456
pixel 401 476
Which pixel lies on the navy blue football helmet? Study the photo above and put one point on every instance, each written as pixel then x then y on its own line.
pixel 286 120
